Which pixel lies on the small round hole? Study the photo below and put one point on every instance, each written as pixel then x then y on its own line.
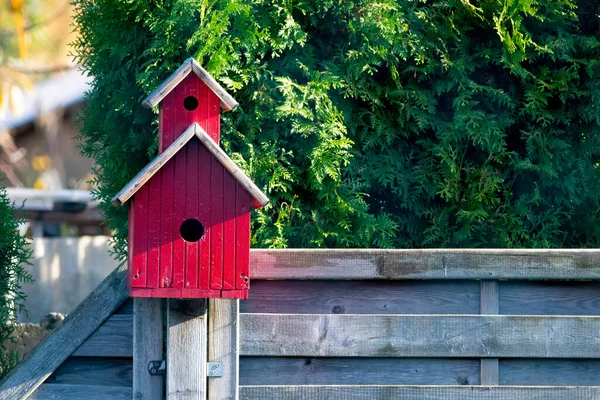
pixel 190 103
pixel 191 230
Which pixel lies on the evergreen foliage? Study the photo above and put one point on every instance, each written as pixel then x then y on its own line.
pixel 14 258
pixel 370 123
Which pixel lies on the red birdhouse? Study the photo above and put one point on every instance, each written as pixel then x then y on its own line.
pixel 189 209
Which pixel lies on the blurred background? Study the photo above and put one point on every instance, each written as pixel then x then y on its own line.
pixel 41 94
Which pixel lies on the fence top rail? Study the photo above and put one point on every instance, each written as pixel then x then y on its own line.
pixel 363 264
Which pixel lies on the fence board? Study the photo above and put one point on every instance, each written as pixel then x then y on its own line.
pixel 223 348
pixel 354 264
pixel 102 372
pixel 363 297
pixel 80 392
pixel 113 339
pixel 147 346
pixel 543 298
pixel 419 336
pixel 489 305
pixel 550 372
pixel 358 371
pixel 417 392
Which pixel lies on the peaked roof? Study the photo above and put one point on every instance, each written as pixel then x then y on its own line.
pixel 193 131
pixel 188 66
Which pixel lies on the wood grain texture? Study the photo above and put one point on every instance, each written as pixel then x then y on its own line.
pixel 186 350
pixel 489 306
pixel 80 392
pixel 358 371
pixel 363 297
pixel 260 198
pixel 340 264
pixel 223 348
pixel 419 336
pixel 417 392
pixel 147 346
pixel 154 166
pixel 550 298
pixel 189 65
pixel 76 328
pixel 540 372
pixel 99 371
pixel 114 338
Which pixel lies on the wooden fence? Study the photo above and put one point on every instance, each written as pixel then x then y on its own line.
pixel 365 324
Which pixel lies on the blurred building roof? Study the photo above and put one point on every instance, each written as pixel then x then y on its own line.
pixel 58 92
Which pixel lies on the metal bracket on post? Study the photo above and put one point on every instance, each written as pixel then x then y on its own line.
pixel 157 367
pixel 214 369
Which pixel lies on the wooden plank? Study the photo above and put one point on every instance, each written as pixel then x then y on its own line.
pixel 79 392
pixel 229 232
pixel 179 201
pixel 126 308
pixel 114 338
pixel 576 264
pixel 242 240
pixel 204 214
pixel 463 336
pixel 417 392
pixel 155 165
pixel 192 192
pixel 154 224
pixel 223 331
pixel 167 231
pixel 489 306
pixel 186 349
pixel 99 371
pixel 260 198
pixel 58 346
pixel 540 372
pixel 363 297
pixel 547 298
pixel 358 371
pixel 217 208
pixel 147 346
pixel 140 241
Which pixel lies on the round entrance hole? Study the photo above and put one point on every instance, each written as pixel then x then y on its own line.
pixel 191 230
pixel 190 103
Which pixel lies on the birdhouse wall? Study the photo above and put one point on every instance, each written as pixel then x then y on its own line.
pixel 193 185
pixel 175 118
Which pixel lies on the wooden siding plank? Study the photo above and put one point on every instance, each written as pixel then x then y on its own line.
pixel 186 350
pixel 223 348
pixel 166 228
pixel 147 346
pixel 79 392
pixel 532 372
pixel 417 392
pixel 358 371
pixel 140 241
pixel 178 218
pixel 419 336
pixel 242 239
pixel 217 222
pixel 192 204
pixel 204 213
pixel 58 346
pixel 114 338
pixel 489 306
pixel 102 372
pixel 341 264
pixel 363 297
pixel 154 225
pixel 229 232
pixel 550 298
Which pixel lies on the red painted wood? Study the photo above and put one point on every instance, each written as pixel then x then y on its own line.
pixel 213 126
pixel 179 196
pixel 130 235
pixel 140 239
pixel 166 225
pixel 217 213
pixel 154 222
pixel 242 248
pixel 173 293
pixel 204 215
pixel 235 294
pixel 192 211
pixel 229 231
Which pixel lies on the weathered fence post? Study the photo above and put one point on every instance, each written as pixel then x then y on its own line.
pixel 147 347
pixel 186 350
pixel 223 348
pixel 489 305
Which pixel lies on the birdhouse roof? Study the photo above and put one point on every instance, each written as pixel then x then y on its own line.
pixel 155 165
pixel 190 65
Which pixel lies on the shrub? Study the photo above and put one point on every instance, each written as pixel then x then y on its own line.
pixel 370 123
pixel 14 258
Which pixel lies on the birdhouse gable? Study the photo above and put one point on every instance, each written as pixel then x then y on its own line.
pixel 194 130
pixel 190 65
